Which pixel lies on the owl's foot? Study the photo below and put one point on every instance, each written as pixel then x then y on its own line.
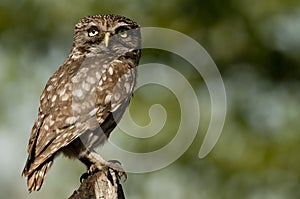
pixel 97 163
pixel 117 166
pixel 111 164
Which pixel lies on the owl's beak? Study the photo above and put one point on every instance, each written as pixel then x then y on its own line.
pixel 106 38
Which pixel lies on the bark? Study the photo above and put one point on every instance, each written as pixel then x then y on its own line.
pixel 101 185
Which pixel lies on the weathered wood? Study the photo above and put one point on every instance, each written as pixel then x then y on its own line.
pixel 101 185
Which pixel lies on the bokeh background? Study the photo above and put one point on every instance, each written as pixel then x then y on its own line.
pixel 256 46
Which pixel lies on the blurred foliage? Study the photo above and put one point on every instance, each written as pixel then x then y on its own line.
pixel 256 46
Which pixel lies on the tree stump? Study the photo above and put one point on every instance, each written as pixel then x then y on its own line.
pixel 100 185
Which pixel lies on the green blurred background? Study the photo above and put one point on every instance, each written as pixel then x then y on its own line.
pixel 256 46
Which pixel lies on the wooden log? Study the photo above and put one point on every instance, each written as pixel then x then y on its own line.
pixel 100 185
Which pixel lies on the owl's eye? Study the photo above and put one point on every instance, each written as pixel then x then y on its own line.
pixel 93 31
pixel 123 33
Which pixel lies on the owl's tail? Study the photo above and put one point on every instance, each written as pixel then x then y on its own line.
pixel 35 179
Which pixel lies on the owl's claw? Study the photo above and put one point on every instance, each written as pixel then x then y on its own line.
pixel 111 164
pixel 115 162
pixel 84 176
pixel 117 166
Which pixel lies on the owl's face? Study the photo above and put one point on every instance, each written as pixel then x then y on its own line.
pixel 106 34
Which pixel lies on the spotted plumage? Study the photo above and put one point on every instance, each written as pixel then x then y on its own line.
pixel 86 97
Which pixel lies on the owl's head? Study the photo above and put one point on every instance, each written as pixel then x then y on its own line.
pixel 106 34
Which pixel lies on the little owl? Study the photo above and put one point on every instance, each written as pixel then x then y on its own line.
pixel 86 97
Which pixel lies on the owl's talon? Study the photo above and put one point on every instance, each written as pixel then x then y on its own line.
pixel 84 176
pixel 115 162
pixel 115 165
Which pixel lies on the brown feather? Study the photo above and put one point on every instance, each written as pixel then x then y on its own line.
pixel 86 97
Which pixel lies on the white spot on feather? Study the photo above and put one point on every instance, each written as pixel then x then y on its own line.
pixel 71 120
pixel 46 127
pixel 90 80
pixel 75 79
pixel 83 70
pixel 107 98
pixel 100 82
pixel 86 86
pixel 54 98
pixel 93 112
pixel 118 61
pixel 98 76
pixel 43 95
pixel 62 74
pixel 127 87
pixel 49 88
pixel 65 97
pixel 51 122
pixel 110 71
pixel 117 96
pixel 75 56
pixel 61 92
pixel 78 93
pixel 104 77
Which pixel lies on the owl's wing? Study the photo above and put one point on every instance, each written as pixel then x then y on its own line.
pixel 82 104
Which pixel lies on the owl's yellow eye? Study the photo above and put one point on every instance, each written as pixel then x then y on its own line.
pixel 123 33
pixel 93 31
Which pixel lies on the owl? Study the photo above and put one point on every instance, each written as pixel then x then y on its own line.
pixel 86 97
